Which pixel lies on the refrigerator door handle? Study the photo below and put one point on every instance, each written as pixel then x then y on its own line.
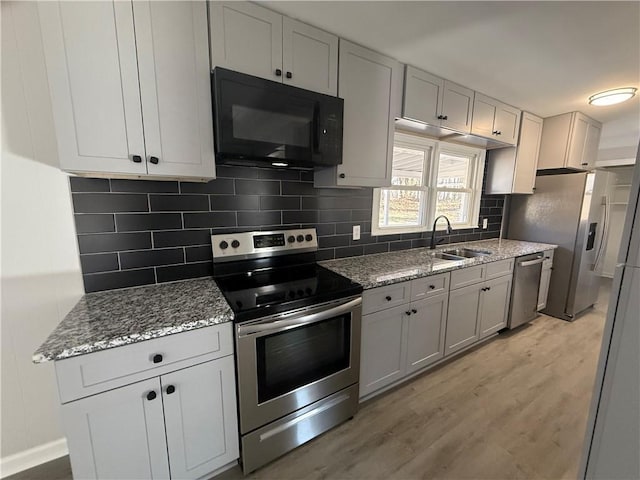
pixel 605 231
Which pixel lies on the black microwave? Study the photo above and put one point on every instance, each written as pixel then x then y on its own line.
pixel 264 123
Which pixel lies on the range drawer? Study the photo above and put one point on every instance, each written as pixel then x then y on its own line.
pixel 107 369
pixel 385 297
pixel 430 286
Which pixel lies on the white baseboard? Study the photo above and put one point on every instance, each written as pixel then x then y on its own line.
pixel 33 457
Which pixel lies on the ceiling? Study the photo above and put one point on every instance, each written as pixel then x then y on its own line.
pixel 543 57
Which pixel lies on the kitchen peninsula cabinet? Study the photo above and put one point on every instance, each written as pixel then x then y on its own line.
pixel 130 88
pixel 369 84
pixel 570 141
pixel 513 169
pixel 251 39
pixel 177 419
pixel 436 101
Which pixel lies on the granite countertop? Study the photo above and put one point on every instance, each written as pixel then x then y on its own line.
pixel 114 318
pixel 381 269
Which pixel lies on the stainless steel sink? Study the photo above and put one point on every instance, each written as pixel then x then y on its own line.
pixel 444 256
pixel 466 253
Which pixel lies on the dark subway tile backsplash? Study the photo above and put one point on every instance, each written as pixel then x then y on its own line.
pixel 136 232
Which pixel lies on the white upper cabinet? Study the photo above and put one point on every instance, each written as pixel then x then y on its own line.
pixel 436 101
pixel 130 88
pixel 247 38
pixel 569 140
pixel 457 106
pixel 90 52
pixel 494 119
pixel 251 39
pixel 513 169
pixel 175 87
pixel 368 83
pixel 309 57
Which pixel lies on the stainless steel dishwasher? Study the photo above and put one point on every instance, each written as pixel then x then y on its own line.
pixel 524 293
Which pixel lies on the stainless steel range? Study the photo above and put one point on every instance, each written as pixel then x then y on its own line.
pixel 297 334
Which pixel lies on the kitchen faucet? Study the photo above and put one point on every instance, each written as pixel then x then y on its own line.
pixel 433 231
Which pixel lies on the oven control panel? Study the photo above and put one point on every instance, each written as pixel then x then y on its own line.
pixel 245 245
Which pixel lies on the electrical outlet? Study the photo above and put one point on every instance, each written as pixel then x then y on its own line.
pixel 356 232
pixel 485 223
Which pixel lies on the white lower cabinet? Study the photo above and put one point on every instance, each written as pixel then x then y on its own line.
pixel 118 434
pixel 495 301
pixel 462 320
pixel 401 340
pixel 382 349
pixel 181 424
pixel 481 309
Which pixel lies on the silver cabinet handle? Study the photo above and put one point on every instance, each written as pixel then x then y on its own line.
pixel 528 263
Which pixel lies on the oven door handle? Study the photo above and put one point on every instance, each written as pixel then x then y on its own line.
pixel 273 326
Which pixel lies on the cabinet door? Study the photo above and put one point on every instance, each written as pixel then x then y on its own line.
pixel 367 81
pixel 591 145
pixel 90 52
pixel 310 57
pixel 422 95
pixel 457 105
pixel 382 352
pixel 462 318
pixel 118 434
pixel 575 158
pixel 247 38
pixel 543 292
pixel 484 116
pixel 524 176
pixel 201 418
pixel 425 332
pixel 507 123
pixel 173 59
pixel 494 310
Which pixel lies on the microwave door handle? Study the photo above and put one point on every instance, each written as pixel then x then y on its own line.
pixel 272 326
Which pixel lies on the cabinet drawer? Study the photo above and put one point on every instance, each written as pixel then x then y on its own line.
pixel 429 286
pixel 107 369
pixel 385 297
pixel 467 276
pixel 499 269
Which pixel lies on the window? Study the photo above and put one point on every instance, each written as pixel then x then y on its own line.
pixel 428 179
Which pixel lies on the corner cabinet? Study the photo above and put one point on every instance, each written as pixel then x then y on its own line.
pixel 369 84
pixel 130 87
pixel 513 169
pixel 176 420
pixel 249 38
pixel 569 141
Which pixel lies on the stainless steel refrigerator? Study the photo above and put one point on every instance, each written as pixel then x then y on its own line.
pixel 612 440
pixel 568 210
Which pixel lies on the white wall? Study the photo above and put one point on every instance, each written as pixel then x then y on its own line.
pixel 40 272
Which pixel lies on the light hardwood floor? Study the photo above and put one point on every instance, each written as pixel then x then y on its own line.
pixel 515 407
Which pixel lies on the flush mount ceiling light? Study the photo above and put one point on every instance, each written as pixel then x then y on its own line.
pixel 611 97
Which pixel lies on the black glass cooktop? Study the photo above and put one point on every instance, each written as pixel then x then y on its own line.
pixel 256 294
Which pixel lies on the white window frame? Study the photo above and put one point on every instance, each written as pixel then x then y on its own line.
pixel 474 188
pixel 430 177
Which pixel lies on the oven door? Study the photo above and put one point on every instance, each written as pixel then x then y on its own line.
pixel 288 361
